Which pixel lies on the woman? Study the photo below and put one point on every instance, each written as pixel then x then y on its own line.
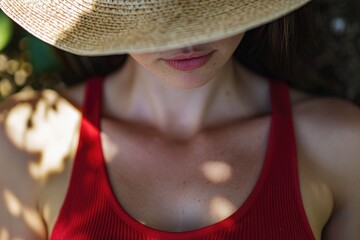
pixel 182 142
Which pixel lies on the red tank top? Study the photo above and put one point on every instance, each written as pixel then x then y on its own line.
pixel 273 211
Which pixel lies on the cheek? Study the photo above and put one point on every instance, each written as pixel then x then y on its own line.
pixel 229 45
pixel 143 59
pixel 151 62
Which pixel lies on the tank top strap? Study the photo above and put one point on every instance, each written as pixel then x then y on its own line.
pixel 282 123
pixel 93 101
pixel 89 153
pixel 280 98
pixel 283 142
pixel 284 176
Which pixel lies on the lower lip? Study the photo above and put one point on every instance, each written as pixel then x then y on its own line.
pixel 189 64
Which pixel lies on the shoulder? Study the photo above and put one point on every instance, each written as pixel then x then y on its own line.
pixel 329 128
pixel 330 124
pixel 328 138
pixel 36 125
pixel 29 126
pixel 30 120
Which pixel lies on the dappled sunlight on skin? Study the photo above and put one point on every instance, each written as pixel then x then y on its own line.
pixel 13 205
pixel 18 210
pixel 221 208
pixel 321 190
pixel 216 171
pixel 142 222
pixel 32 129
pixel 31 219
pixel 41 130
pixel 2 115
pixel 4 234
pixel 15 124
pixel 46 211
pixel 320 197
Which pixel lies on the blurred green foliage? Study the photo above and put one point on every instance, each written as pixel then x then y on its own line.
pixel 6 30
pixel 25 61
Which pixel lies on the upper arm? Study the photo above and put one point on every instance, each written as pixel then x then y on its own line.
pixel 19 215
pixel 345 223
pixel 345 220
pixel 337 145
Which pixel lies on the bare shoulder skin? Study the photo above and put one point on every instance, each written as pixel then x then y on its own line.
pixel 328 139
pixel 33 148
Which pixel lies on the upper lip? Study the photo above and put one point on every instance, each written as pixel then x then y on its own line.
pixel 185 56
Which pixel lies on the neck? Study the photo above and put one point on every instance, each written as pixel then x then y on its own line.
pixel 175 111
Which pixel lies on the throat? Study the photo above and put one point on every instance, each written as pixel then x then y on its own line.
pixel 178 112
pixel 137 96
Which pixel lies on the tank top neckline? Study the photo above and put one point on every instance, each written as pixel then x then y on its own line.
pixel 280 156
pixel 277 91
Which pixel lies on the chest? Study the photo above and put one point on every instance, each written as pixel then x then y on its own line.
pixel 183 185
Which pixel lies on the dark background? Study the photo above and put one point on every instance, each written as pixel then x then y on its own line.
pixel 331 68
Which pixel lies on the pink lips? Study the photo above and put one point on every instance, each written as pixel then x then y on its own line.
pixel 187 62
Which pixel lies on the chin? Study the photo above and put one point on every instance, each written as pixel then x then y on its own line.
pixel 189 81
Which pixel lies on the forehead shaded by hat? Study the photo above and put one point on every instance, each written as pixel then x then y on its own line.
pixel 102 27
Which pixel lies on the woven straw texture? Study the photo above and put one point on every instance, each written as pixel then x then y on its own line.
pixel 103 27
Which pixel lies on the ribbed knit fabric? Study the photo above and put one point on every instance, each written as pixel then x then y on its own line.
pixel 273 211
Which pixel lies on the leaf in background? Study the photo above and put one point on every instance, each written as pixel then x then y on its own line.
pixel 6 30
pixel 43 58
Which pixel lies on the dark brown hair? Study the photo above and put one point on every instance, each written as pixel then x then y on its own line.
pixel 277 49
pixel 273 50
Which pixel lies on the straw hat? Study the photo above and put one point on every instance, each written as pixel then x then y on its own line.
pixel 102 27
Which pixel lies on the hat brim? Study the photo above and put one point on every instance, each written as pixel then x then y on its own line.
pixel 102 27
